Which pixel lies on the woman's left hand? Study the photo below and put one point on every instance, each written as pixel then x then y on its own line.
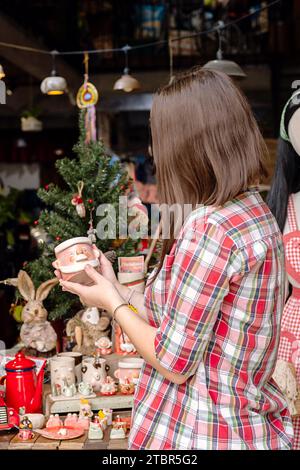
pixel 103 294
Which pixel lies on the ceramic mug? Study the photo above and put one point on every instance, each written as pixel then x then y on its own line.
pixel 37 420
pixel 72 256
pixel 94 372
pixel 62 370
pixel 129 368
pixel 78 362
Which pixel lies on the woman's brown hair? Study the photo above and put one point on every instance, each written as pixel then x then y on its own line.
pixel 206 144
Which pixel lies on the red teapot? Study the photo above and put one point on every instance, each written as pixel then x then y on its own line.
pixel 23 386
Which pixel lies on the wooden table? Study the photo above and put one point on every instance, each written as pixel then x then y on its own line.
pixel 10 441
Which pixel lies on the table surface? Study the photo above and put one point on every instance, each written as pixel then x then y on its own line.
pixel 10 441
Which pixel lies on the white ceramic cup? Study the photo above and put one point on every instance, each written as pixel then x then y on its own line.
pixel 62 370
pixel 78 362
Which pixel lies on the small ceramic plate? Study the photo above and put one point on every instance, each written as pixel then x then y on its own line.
pixel 52 433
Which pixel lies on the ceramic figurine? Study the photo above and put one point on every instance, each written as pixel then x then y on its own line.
pixel 86 327
pixel 69 390
pixel 63 432
pixel 54 421
pixel 118 430
pixel 127 387
pixel 36 332
pixel 72 256
pixel 95 429
pixel 123 345
pixel 104 345
pixel 85 389
pixel 83 423
pixel 108 413
pixel 71 420
pixel 85 409
pixel 102 419
pixel 25 432
pixel 109 387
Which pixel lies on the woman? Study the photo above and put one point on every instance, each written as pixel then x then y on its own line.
pixel 209 326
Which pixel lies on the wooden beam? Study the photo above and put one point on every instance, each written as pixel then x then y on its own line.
pixel 37 65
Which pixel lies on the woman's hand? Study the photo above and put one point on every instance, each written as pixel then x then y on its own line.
pixel 103 294
pixel 106 268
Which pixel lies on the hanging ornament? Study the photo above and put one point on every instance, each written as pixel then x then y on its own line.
pixel 91 233
pixel 87 97
pixel 77 200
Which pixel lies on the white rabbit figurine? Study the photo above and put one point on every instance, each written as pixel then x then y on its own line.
pixel 36 331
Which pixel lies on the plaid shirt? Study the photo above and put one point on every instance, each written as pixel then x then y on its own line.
pixel 217 305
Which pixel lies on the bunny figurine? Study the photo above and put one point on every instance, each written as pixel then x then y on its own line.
pixel 36 331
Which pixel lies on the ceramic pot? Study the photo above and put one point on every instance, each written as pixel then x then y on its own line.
pixel 62 370
pixel 129 369
pixel 78 362
pixel 37 419
pixel 71 258
pixel 94 372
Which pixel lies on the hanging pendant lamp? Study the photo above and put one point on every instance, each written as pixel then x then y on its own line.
pixel 127 82
pixel 54 84
pixel 2 73
pixel 229 67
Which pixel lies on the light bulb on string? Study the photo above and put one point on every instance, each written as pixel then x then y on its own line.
pixel 54 84
pixel 229 67
pixel 127 82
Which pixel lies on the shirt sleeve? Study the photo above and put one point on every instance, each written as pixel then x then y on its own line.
pixel 199 282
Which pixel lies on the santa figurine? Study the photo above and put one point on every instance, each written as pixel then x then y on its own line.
pixel 87 327
pixel 104 346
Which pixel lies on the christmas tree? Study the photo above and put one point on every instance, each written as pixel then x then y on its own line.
pixel 102 181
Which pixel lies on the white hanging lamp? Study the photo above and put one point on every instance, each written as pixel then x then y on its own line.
pixel 54 84
pixel 229 67
pixel 127 82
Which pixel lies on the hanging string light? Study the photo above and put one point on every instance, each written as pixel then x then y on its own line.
pixel 54 84
pixel 127 82
pixel 226 66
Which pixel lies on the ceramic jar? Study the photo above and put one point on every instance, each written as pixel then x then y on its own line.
pixel 62 370
pixel 71 258
pixel 78 362
pixel 94 372
pixel 129 370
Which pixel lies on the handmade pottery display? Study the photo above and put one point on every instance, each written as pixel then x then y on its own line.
pixel 72 256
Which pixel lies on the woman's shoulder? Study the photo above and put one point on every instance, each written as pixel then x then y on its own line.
pixel 244 220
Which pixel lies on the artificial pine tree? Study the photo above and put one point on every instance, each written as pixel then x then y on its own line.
pixel 104 182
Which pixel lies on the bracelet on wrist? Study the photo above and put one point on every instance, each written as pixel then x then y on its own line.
pixel 131 307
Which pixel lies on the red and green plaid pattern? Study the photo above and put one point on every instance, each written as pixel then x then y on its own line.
pixel 217 306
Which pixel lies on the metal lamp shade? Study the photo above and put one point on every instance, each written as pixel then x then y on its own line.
pixel 226 66
pixel 53 85
pixel 127 83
